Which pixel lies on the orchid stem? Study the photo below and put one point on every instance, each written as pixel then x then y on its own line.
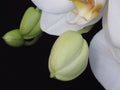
pixel 86 29
pixel 33 41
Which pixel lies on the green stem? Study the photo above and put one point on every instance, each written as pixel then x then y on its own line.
pixel 86 29
pixel 33 41
pixel 37 9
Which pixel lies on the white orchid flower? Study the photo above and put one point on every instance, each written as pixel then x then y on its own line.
pixel 105 48
pixel 59 16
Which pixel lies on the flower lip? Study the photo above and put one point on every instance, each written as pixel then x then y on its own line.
pixel 86 11
pixel 54 6
pixel 56 23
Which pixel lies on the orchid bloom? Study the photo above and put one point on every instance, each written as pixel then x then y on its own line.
pixel 105 48
pixel 59 16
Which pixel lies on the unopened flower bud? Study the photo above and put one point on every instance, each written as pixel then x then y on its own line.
pixel 30 26
pixel 14 38
pixel 68 57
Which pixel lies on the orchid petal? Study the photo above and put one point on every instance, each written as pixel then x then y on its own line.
pixel 48 19
pixel 104 49
pixel 56 24
pixel 112 29
pixel 103 65
pixel 112 20
pixel 54 6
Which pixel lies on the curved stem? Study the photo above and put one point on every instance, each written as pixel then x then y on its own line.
pixel 33 41
pixel 86 29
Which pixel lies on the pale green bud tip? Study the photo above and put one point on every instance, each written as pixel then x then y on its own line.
pixel 13 38
pixel 68 57
pixel 29 25
pixel 52 75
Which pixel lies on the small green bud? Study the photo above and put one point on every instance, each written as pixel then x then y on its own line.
pixel 68 57
pixel 29 26
pixel 13 38
pixel 34 33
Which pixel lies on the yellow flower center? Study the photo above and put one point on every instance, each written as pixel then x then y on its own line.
pixel 85 11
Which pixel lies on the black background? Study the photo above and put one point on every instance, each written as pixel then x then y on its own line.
pixel 28 66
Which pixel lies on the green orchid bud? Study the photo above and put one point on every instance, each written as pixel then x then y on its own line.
pixel 30 26
pixel 36 31
pixel 13 38
pixel 68 57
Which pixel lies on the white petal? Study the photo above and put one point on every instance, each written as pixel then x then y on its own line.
pixel 112 22
pixel 56 24
pixel 48 19
pixel 103 64
pixel 54 6
pixel 112 30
